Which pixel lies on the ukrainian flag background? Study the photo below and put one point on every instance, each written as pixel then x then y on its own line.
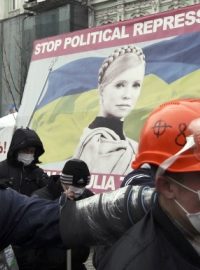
pixel 72 102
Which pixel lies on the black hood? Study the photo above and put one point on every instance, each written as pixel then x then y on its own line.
pixel 22 138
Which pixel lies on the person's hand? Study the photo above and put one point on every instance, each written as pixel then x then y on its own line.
pixel 70 194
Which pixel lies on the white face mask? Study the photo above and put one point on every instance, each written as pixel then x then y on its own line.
pixel 26 159
pixel 194 218
pixel 77 191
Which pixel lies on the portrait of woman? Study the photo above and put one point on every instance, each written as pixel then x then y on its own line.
pixel 103 145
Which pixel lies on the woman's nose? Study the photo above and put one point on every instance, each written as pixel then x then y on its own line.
pixel 127 93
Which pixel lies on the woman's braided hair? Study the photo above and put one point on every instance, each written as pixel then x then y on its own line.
pixel 118 52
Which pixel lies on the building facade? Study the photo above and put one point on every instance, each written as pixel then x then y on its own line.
pixel 109 11
pixel 10 8
pixel 17 34
pixel 99 11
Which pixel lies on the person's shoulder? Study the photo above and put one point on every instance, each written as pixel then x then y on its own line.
pixel 141 176
pixel 4 169
pixel 36 169
pixel 3 163
pixel 34 166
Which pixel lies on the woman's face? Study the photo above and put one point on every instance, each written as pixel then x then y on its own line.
pixel 119 96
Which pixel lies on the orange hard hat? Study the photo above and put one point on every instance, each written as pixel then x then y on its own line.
pixel 166 132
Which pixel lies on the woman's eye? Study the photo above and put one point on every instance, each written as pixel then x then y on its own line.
pixel 120 84
pixel 136 84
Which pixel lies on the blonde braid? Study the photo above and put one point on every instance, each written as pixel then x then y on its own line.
pixel 118 52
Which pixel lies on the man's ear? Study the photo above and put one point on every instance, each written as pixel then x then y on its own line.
pixel 165 187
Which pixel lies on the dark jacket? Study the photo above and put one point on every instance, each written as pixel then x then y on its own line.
pixel 153 243
pixel 21 224
pixel 24 179
pixel 55 258
pixel 140 177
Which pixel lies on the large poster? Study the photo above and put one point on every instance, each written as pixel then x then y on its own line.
pixel 88 92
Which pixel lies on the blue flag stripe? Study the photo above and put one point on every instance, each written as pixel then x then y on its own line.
pixel 169 59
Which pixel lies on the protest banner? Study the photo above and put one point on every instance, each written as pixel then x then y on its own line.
pixel 62 98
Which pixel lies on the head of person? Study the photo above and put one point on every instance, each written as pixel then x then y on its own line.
pixel 75 177
pixel 120 80
pixel 25 147
pixel 170 143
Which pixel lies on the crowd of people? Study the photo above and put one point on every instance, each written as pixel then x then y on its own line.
pixel 151 222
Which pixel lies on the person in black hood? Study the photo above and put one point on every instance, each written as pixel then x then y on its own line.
pixel 19 171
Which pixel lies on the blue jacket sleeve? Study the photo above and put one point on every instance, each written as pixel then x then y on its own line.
pixel 139 177
pixel 28 221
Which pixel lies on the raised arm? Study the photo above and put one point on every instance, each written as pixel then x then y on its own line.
pixel 28 220
pixel 103 218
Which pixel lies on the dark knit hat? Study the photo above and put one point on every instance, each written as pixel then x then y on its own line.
pixel 75 173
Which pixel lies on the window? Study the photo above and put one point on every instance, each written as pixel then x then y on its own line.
pixel 12 5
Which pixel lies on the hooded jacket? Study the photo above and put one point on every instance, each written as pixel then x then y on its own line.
pixel 24 179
